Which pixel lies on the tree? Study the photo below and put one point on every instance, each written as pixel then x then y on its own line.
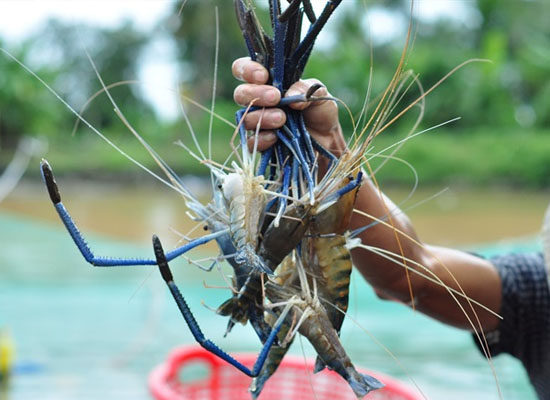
pixel 195 37
pixel 57 54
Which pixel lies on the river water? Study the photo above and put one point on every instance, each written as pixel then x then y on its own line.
pixel 92 333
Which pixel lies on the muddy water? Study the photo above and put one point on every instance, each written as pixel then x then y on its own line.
pixel 462 216
pixel 456 217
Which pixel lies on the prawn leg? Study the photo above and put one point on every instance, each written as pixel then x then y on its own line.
pixel 335 197
pixel 162 262
pixel 89 256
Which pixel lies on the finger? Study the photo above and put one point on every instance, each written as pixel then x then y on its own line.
pixel 263 140
pixel 272 118
pixel 264 95
pixel 320 115
pixel 246 70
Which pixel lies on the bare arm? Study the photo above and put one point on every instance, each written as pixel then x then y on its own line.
pixel 478 278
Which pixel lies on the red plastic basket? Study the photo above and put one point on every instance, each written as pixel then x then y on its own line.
pixel 293 380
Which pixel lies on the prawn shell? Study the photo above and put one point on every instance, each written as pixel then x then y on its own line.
pixel 336 218
pixel 245 201
pixel 278 242
pixel 329 260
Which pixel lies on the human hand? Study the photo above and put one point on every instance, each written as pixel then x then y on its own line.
pixel 321 117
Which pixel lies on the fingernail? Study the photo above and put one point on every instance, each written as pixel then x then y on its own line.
pixel 260 76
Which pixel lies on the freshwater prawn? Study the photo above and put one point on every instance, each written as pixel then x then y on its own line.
pixel 327 263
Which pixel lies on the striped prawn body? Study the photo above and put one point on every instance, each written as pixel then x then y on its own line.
pixel 328 260
pixel 244 201
pixel 326 255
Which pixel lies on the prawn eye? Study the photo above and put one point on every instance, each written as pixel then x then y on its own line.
pixel 220 186
pixel 205 227
pixel 350 177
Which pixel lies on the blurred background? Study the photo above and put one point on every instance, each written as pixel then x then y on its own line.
pixel 96 333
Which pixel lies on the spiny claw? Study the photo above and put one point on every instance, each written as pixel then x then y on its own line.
pixel 312 89
pixel 161 260
pixel 308 9
pixel 49 180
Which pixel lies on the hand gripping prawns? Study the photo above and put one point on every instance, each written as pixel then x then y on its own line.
pixel 255 237
pixel 285 56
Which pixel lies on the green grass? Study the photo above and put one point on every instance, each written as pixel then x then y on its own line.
pixel 480 156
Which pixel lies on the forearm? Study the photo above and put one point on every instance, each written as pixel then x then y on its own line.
pixel 392 246
pixel 389 235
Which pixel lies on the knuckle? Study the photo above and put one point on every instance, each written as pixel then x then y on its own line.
pixel 312 81
pixel 298 87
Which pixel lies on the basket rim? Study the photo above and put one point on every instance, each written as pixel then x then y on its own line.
pixel 184 355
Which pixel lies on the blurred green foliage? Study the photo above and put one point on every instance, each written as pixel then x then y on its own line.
pixel 504 134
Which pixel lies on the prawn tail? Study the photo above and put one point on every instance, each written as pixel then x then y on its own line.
pixel 227 308
pixel 230 309
pixel 362 384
